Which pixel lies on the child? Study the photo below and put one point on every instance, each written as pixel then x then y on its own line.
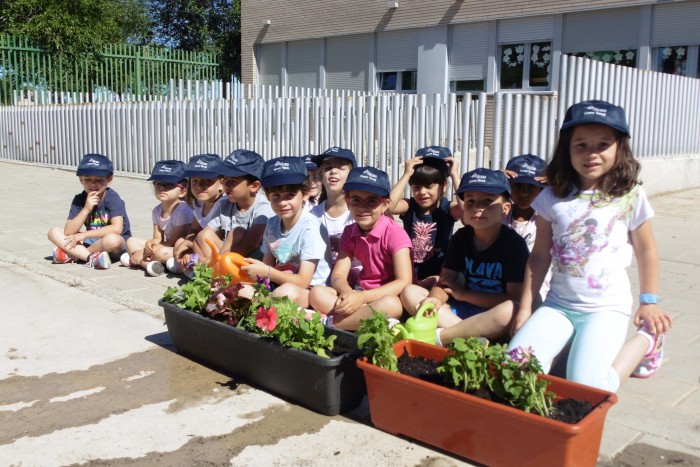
pixel 527 175
pixel 296 254
pixel 490 255
pixel 591 219
pixel 238 223
pixel 171 220
pixel 380 244
pixel 315 184
pixel 204 192
pixel 101 211
pixel 428 217
pixel 333 211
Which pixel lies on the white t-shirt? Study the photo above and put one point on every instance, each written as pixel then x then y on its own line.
pixel 203 220
pixel 335 226
pixel 304 242
pixel 591 248
pixel 227 216
pixel 182 215
pixel 528 230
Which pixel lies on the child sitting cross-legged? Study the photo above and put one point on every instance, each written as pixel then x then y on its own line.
pixel 296 254
pixel 381 245
pixel 490 256
pixel 171 220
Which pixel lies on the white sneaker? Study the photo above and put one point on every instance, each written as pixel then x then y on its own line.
pixel 173 266
pixel 154 268
pixel 125 259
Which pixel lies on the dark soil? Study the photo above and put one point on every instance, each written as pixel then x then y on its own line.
pixel 567 410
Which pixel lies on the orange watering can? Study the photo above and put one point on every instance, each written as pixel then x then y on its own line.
pixel 230 263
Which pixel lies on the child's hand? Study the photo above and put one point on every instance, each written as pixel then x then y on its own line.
pixel 452 287
pixel 453 167
pixel 149 248
pixel 410 165
pixel 71 241
pixel 255 267
pixel 510 173
pixel 658 320
pixel 93 199
pixel 521 316
pixel 434 300
pixel 348 302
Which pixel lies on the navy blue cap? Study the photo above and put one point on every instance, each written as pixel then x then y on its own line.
pixel 601 112
pixel 527 166
pixel 434 152
pixel 338 152
pixel 284 171
pixel 368 179
pixel 310 162
pixel 96 165
pixel 485 181
pixel 242 162
pixel 203 166
pixel 170 171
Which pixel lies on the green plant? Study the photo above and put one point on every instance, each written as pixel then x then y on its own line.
pixel 512 376
pixel 275 317
pixel 375 336
pixel 194 294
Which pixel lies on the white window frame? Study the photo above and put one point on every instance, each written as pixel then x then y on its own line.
pixel 399 81
pixel 527 63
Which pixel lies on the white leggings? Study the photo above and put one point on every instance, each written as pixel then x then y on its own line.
pixel 596 339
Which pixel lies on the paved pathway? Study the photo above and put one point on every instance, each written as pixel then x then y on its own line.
pixel 87 373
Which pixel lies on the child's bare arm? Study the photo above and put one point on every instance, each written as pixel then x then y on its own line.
pixel 341 269
pixel 249 242
pixel 648 265
pixel 399 204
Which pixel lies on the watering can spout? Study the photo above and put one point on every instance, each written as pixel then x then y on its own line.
pixel 400 330
pixel 229 264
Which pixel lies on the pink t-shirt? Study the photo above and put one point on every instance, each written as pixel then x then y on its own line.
pixel 375 251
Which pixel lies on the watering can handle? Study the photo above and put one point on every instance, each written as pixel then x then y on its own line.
pixel 214 252
pixel 425 307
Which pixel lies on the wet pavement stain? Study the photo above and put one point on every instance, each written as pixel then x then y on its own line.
pixel 278 422
pixel 162 376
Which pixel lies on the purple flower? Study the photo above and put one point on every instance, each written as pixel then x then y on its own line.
pixel 521 355
pixel 264 281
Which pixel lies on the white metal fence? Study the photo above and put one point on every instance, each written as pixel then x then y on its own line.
pixel 382 129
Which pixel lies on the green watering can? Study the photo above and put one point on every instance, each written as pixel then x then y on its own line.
pixel 420 327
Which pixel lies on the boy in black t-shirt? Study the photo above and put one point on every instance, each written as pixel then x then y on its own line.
pixel 489 255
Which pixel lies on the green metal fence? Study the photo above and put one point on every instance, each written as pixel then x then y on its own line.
pixel 120 71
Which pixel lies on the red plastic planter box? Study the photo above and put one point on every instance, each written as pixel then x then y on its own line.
pixel 481 430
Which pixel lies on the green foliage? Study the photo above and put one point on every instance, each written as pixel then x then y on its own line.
pixel 511 376
pixel 75 27
pixel 216 299
pixel 378 340
pixel 194 294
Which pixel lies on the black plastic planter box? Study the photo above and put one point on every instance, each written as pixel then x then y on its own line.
pixel 326 385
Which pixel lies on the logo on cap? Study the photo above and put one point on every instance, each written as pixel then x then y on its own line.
pixel 92 162
pixel 201 164
pixel 477 178
pixel 369 175
pixel 279 165
pixel 593 110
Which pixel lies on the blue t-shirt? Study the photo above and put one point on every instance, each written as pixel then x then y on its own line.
pixel 491 269
pixel 306 241
pixel 430 235
pixel 111 205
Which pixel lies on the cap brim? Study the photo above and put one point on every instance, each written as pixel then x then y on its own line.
pixel 231 172
pixel 528 180
pixel 483 189
pixel 165 178
pixel 572 124
pixel 93 172
pixel 284 179
pixel 364 187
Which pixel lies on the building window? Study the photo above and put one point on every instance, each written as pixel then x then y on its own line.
pixel 616 57
pixel 472 85
pixel 401 81
pixel 526 65
pixel 672 60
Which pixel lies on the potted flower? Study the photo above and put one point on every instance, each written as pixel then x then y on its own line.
pixel 268 341
pixel 513 428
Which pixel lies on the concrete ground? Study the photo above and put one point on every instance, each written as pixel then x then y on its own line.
pixel 88 374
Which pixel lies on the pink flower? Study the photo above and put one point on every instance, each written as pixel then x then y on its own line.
pixel 266 319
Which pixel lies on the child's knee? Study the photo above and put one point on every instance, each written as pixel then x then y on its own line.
pixel 55 234
pixel 411 295
pixel 113 243
pixel 391 306
pixel 163 254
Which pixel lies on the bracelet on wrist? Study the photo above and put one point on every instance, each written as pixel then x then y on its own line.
pixel 648 299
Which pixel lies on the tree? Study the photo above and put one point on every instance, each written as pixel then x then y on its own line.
pixel 200 25
pixel 76 27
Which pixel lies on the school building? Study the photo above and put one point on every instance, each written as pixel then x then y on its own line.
pixel 441 46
